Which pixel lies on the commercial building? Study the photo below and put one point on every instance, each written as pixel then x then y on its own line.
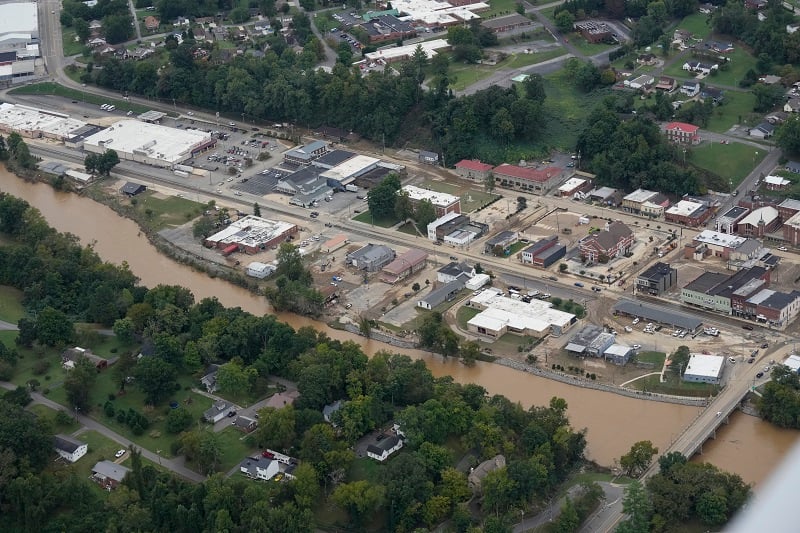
pixel 371 257
pixel 791 230
pixel 633 201
pixel 604 195
pixel 726 223
pixel 573 186
pixel 689 213
pixel 594 32
pixel 500 314
pixel 682 133
pixel 472 169
pixel 507 23
pixel 657 279
pixel 434 14
pixel 723 246
pixel 704 368
pixel 402 53
pixel 501 243
pixel 252 234
pixel 34 123
pixel 527 179
pixel 618 354
pixel 793 362
pixel 658 315
pixel 404 265
pixel 345 173
pixel 590 340
pixel 334 243
pixel 19 42
pixel 69 448
pixel 777 309
pixel 760 222
pixel 387 27
pixel 543 252
pixel 440 295
pixel 332 159
pixel 151 144
pixel 436 234
pixel 787 208
pixel 306 185
pixel 108 474
pixel 443 203
pixel 614 240
pixel 304 155
pixel 715 291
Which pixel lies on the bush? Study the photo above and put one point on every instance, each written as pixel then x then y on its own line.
pixel 178 420
pixel 40 367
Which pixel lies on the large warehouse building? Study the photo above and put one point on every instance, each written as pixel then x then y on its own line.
pixel 34 123
pixel 19 42
pixel 151 144
pixel 251 234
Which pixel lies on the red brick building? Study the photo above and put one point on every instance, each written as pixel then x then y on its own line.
pixel 615 240
pixel 473 169
pixel 527 179
pixel 682 133
pixel 688 213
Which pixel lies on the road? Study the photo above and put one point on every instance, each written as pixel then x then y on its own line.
pixel 135 20
pixel 50 35
pixel 611 493
pixel 174 465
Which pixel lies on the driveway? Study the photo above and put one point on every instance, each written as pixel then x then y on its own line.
pixel 8 326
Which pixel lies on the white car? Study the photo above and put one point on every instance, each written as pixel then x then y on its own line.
pixel 783 249
pixel 119 454
pixel 635 321
pixel 628 329
pixel 636 346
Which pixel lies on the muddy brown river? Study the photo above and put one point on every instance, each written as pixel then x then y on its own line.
pixel 747 446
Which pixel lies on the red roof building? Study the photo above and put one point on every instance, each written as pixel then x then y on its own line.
pixel 532 180
pixel 683 133
pixel 472 169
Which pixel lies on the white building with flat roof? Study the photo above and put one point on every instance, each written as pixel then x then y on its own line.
pixel 345 173
pixel 31 122
pixel 703 368
pixel 443 202
pixel 716 238
pixel 19 18
pixel 500 314
pixel 151 144
pixel 252 234
pixel 400 53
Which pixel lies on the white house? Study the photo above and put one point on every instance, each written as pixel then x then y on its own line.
pixel 259 467
pixel 69 448
pixel 217 412
pixel 699 67
pixel 690 88
pixel 384 448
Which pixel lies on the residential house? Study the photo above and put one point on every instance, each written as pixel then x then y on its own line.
pixel 657 279
pixel 452 271
pixel 95 25
pixel 427 157
pixel 151 23
pixel 717 96
pixel 371 257
pixel 473 169
pixel 776 183
pixel 793 167
pixel 245 424
pixel 613 241
pixel 792 105
pixel 791 28
pixel 108 474
pixel 501 242
pixel 770 79
pixel 477 474
pixel 259 467
pixel 180 21
pixel 642 82
pixel 445 293
pixel 777 117
pixel 690 88
pixel 69 448
pixel 209 379
pixel 718 46
pixel 217 412
pixel 381 450
pixel 682 133
pixel 765 130
pixel 666 84
pixel 699 67
pixel 646 59
pixel 97 42
pixel 70 356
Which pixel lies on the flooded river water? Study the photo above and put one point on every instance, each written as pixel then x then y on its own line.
pixel 748 446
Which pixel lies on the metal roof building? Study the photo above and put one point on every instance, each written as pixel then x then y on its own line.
pixel 657 314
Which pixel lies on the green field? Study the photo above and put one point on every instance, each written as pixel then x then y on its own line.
pixel 471 199
pixel 165 211
pixel 235 447
pixel 735 109
pixel 585 47
pixel 674 385
pixel 65 92
pixel 50 414
pixel 697 24
pixel 729 161
pixel 465 314
pixel 71 46
pixel 656 358
pixel 11 309
pixel 366 218
pixel 499 7
pixel 464 75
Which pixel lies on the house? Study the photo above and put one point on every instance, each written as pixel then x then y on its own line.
pixel 328 410
pixel 262 468
pixel 429 158
pixel 151 23
pixel 95 25
pixel 245 424
pixel 615 240
pixel 131 189
pixel 791 28
pixel 642 82
pixel 770 79
pixel 690 88
pixel 445 293
pixel 501 243
pixel 371 257
pixel 477 474
pixel 792 105
pixel 776 183
pixel 698 67
pixel 777 117
pixel 109 475
pixel 209 379
pixel 657 279
pixel 381 450
pixel 717 96
pixel 472 169
pixel 689 213
pixel 97 42
pixel 217 412
pixel 70 448
pixel 765 130
pixel 646 59
pixel 718 46
pixel 682 133
pixel 452 271
pixel 666 84
pixel 70 356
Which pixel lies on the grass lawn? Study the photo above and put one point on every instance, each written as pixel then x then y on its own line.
pixel 657 358
pixel 235 447
pixel 471 200
pixel 59 90
pixel 499 7
pixel 589 49
pixel 465 314
pixel 674 385
pixel 367 469
pixel 524 60
pixel 695 23
pixel 731 161
pixel 549 13
pixel 465 74
pixel 740 62
pixel 516 247
pixel 366 217
pixel 247 398
pixel 509 343
pixel 166 211
pixel 408 228
pixel 11 309
pixel 71 46
pixel 735 109
pixel 43 411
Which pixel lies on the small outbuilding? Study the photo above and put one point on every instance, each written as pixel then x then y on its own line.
pixel 704 368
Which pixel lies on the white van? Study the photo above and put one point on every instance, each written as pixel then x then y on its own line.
pixel 111 108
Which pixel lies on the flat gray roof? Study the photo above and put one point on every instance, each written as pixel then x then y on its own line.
pixel 658 314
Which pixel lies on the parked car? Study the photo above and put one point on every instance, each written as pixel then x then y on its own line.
pixel 765 346
pixel 578 284
pixel 231 414
pixel 635 321
pixel 596 288
pixel 751 360
pixel 636 346
pixel 747 327
pixel 783 249
pixel 337 278
pixel 760 375
pixel 119 454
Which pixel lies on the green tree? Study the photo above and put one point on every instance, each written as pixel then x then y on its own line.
pixel 233 378
pixel 124 330
pixel 383 196
pixel 276 427
pixel 568 521
pixel 156 378
pixel 256 209
pixel 53 327
pixel 424 214
pixel 638 458
pixel 179 420
pixel 78 384
pixel 638 508
pixel 565 21
pixel 359 499
pixel 788 134
pixel 290 264
pixel 488 183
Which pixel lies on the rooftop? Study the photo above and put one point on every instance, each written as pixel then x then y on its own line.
pixel 474 164
pixel 733 213
pixel 719 239
pixel 110 470
pixel 500 22
pixel 685 208
pixel 639 196
pixel 171 145
pixel 24 118
pixel 571 184
pixel 706 281
pixel 383 445
pixel 767 214
pixel 395 52
pixel 67 444
pixel 705 365
pixel 334 158
pixel 353 166
pixel 251 231
pixel 406 260
pixel 790 203
pixel 656 271
pixel 527 173
pixel 657 314
pixel 537 315
pixel 19 17
pixel 439 199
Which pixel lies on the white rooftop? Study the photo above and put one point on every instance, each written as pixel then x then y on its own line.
pixel 429 47
pixel 767 213
pixel 19 17
pixel 440 199
pixel 538 315
pixel 251 231
pixel 617 349
pixel 719 239
pixel 354 166
pixel 172 145
pixel 639 195
pixel 794 221
pixel 434 13
pixel 20 117
pixel 684 208
pixel 571 183
pixel 793 362
pixel 777 180
pixel 705 365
